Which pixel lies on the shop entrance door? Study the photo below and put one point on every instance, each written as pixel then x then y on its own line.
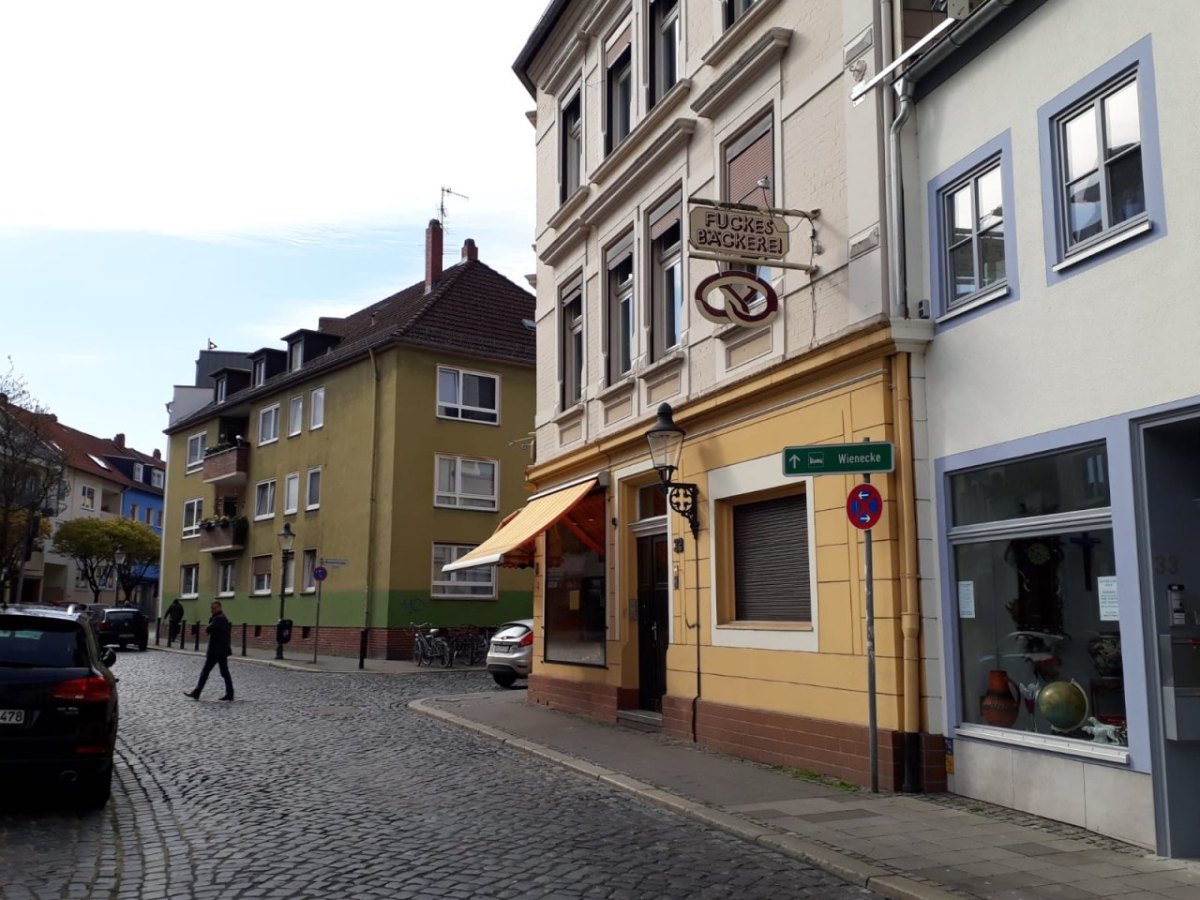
pixel 652 621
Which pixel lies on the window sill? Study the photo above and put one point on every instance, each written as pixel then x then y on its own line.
pixel 764 626
pixel 192 470
pixel 734 333
pixel 225 596
pixel 622 387
pixel 188 537
pixel 189 596
pixel 467 421
pixel 273 440
pixel 647 125
pixel 981 298
pixel 475 597
pixel 733 35
pixel 1127 231
pixel 312 508
pixel 309 591
pixel 671 361
pixel 568 208
pixel 260 593
pixel 267 518
pixel 1110 753
pixel 316 427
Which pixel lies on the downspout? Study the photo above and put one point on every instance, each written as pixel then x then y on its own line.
pixel 896 250
pixel 370 575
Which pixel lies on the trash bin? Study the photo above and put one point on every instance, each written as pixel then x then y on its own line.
pixel 283 631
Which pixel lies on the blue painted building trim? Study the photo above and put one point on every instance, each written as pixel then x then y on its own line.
pixel 1139 57
pixel 999 147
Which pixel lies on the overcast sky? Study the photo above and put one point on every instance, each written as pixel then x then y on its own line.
pixel 173 173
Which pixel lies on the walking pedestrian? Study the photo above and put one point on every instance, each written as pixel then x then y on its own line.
pixel 218 653
pixel 174 617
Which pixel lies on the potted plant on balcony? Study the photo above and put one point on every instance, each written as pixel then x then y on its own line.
pixel 241 528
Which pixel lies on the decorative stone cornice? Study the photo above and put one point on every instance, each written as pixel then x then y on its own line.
pixel 649 163
pixel 764 52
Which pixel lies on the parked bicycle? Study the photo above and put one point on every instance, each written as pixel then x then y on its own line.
pixel 470 644
pixel 430 648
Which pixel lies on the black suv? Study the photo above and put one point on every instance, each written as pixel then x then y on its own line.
pixel 123 627
pixel 58 704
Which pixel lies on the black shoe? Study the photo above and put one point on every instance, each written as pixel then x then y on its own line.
pixel 195 695
pixel 228 697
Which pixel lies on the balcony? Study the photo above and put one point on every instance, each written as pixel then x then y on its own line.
pixel 227 465
pixel 224 535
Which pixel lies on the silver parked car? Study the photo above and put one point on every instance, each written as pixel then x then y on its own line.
pixel 510 654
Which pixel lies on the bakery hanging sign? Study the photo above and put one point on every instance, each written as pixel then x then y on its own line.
pixel 746 238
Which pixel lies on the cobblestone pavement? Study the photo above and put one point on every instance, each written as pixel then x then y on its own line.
pixel 326 786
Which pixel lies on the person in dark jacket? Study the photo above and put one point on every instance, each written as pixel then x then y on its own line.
pixel 174 617
pixel 219 650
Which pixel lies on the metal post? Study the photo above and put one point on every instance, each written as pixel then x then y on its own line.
pixel 362 649
pixel 872 724
pixel 317 629
pixel 157 630
pixel 284 556
pixel 243 639
pixel 197 635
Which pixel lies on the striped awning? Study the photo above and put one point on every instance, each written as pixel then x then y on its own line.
pixel 512 544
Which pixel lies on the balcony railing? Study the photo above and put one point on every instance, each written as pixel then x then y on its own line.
pixel 230 465
pixel 228 536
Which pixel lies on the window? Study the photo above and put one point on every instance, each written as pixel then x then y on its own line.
pixel 221 386
pixel 314 489
pixel 735 9
pixel 226 577
pixel 465 583
pixel 149 515
pixel 260 567
pixel 316 409
pixel 570 148
pixel 471 396
pixel 195 451
pixel 1100 158
pixel 260 372
pixel 750 165
pixel 295 416
pixel 770 575
pixel 618 89
pixel 1033 579
pixel 666 286
pixel 156 478
pixel 133 511
pixel 87 499
pixel 192 512
pixel 264 499
pixel 308 584
pixel 465 483
pixel 189 581
pixel 664 48
pixel 158 518
pixel 576 610
pixel 619 266
pixel 139 473
pixel 288 585
pixel 973 258
pixel 291 493
pixel 295 356
pixel 572 342
pixel 268 424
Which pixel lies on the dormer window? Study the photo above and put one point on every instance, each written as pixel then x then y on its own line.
pixel 138 473
pixel 221 390
pixel 260 372
pixel 295 356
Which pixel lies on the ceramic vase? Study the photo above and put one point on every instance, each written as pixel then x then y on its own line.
pixel 1001 704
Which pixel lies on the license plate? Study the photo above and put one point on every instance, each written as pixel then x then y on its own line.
pixel 12 717
pixel 501 648
pixel 127 637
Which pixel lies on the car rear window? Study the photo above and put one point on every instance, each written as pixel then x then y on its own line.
pixel 29 642
pixel 124 615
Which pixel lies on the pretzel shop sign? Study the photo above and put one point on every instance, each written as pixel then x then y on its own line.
pixel 741 298
pixel 738 233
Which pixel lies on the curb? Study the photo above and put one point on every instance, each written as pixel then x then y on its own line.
pixel 883 881
pixel 314 669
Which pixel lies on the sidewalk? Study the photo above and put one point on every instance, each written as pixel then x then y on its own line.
pixel 901 846
pixel 301 661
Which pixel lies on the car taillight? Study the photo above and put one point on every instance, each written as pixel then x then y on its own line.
pixel 527 640
pixel 93 689
pixel 106 626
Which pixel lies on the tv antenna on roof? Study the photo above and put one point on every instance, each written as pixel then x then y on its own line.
pixel 442 204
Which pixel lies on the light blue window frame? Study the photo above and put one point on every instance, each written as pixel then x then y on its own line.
pixel 1128 235
pixel 996 151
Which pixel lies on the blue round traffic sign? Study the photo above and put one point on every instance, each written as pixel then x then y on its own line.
pixel 319 573
pixel 864 506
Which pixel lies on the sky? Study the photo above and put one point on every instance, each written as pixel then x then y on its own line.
pixel 175 173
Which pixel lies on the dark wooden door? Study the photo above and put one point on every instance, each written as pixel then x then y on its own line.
pixel 652 621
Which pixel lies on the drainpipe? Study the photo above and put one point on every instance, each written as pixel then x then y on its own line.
pixel 896 266
pixel 910 598
pixel 370 573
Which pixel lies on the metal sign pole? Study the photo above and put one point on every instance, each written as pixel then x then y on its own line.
pixel 317 629
pixel 872 725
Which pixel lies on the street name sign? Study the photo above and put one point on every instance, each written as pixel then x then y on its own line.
pixel 331 563
pixel 839 459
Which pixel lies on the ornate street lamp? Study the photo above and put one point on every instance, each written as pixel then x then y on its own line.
pixel 119 557
pixel 666 447
pixel 286 541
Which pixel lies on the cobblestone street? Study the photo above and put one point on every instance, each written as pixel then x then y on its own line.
pixel 326 786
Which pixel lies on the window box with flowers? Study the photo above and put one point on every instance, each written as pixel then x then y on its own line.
pixel 223 533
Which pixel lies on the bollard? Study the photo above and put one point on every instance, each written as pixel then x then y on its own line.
pixel 243 639
pixel 157 630
pixel 197 635
pixel 362 648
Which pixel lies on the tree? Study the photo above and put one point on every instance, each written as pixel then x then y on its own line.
pixel 89 543
pixel 141 546
pixel 32 483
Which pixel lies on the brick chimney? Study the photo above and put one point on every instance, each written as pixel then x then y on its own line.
pixel 119 440
pixel 433 254
pixel 470 251
pixel 157 453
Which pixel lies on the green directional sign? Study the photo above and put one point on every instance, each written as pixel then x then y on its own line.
pixel 839 459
